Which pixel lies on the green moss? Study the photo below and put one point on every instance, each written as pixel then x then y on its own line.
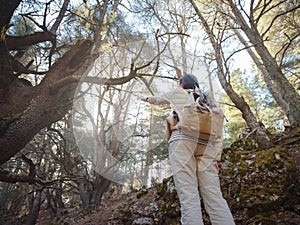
pixel 259 182
pixel 297 130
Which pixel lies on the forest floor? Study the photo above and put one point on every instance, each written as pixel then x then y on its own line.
pixel 109 212
pixel 157 205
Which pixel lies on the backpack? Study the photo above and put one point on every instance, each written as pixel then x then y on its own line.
pixel 200 120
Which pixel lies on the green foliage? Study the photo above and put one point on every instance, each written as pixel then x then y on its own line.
pixel 282 37
pixel 250 86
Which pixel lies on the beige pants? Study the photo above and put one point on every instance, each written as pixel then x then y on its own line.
pixel 190 172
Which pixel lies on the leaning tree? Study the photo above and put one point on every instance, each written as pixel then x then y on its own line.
pixel 26 108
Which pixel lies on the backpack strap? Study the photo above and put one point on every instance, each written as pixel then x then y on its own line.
pixel 202 101
pixel 202 104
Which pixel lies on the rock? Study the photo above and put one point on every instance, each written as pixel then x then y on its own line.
pixel 143 220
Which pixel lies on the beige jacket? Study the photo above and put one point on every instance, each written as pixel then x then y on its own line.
pixel 177 98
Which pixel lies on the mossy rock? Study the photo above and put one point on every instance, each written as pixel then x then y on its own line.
pixel 257 184
pixel 169 207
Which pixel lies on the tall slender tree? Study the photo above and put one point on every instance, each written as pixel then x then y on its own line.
pixel 224 78
pixel 289 99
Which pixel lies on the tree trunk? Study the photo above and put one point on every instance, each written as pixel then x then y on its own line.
pixel 35 208
pixel 259 134
pixel 145 169
pixel 59 200
pixel 288 92
pixel 273 90
pixel 37 107
pixel 6 11
pixel 102 185
pixel 85 195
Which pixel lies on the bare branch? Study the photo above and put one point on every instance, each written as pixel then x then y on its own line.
pixel 8 177
pixel 277 16
pixel 159 76
pixel 60 16
pixel 36 23
pixel 19 68
pixel 173 33
pixel 225 103
pixel 285 47
pixel 251 16
pixel 20 43
pixel 147 84
pixel 243 10
pixel 265 5
pixel 55 27
pixel 95 80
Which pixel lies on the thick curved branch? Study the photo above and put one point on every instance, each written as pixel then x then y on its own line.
pixel 8 177
pixel 19 68
pixel 59 83
pixel 70 62
pixel 94 80
pixel 36 112
pixel 22 42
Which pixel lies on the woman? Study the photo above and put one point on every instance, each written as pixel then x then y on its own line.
pixel 193 163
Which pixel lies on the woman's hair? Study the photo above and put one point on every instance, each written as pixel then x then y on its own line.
pixel 189 81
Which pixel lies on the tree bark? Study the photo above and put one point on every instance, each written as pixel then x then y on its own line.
pixel 101 186
pixel 24 109
pixel 260 135
pixel 6 11
pixel 288 92
pixel 23 42
pixel 37 107
pixel 35 208
pixel 273 90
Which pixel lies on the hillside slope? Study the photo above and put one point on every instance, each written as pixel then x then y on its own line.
pixel 261 187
